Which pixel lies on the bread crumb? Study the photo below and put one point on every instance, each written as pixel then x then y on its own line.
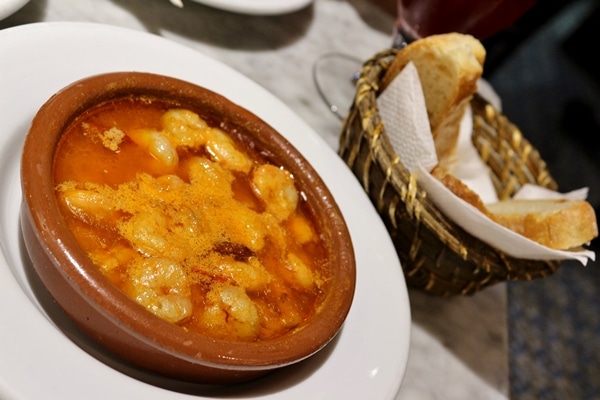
pixel 112 138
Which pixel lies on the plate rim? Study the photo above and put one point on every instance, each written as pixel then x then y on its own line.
pixel 9 7
pixel 257 7
pixel 70 26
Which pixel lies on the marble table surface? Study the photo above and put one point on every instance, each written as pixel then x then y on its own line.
pixel 458 346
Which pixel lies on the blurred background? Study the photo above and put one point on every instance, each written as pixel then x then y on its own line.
pixel 548 77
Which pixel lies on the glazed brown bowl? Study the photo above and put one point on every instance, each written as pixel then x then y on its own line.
pixel 116 322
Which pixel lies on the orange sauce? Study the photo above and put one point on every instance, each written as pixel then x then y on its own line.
pixel 196 242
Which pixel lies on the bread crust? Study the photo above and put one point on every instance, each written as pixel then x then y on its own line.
pixel 449 66
pixel 560 224
pixel 459 188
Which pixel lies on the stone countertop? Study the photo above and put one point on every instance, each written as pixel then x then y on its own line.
pixel 459 346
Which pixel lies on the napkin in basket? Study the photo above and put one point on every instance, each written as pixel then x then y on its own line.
pixel 403 112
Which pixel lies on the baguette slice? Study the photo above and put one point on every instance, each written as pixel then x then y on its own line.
pixel 459 188
pixel 558 224
pixel 449 66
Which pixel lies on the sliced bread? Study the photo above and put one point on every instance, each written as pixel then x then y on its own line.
pixel 558 224
pixel 449 66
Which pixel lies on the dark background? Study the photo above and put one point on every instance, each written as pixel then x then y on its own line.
pixel 545 69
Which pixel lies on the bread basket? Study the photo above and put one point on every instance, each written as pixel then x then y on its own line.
pixel 436 254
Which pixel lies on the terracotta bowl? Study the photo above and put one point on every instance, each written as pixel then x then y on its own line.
pixel 110 318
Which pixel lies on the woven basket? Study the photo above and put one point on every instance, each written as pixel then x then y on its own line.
pixel 436 254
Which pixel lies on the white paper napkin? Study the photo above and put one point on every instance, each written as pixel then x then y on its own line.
pixel 402 109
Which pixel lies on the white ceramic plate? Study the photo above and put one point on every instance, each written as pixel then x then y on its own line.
pixel 8 7
pixel 38 361
pixel 257 7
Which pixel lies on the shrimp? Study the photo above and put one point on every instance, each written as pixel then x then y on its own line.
pixel 211 177
pixel 184 128
pixel 169 183
pixel 303 275
pixel 221 147
pixel 301 229
pixel 147 232
pixel 248 274
pixel 157 144
pixel 275 186
pixel 161 286
pixel 89 205
pixel 150 192
pixel 231 312
pixel 246 227
pixel 108 259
